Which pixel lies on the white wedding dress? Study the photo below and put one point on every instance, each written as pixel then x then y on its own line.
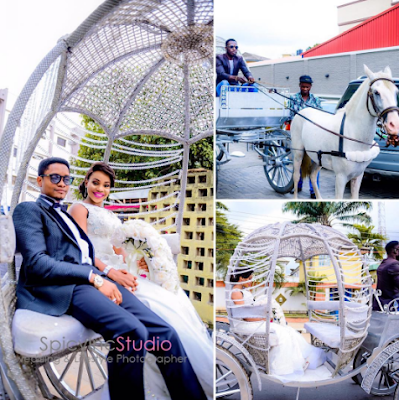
pixel 175 309
pixel 290 354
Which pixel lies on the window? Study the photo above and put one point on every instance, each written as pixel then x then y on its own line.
pixel 200 235
pixel 202 207
pixel 185 250
pixel 191 179
pixel 188 235
pixel 200 251
pixel 61 141
pixel 197 296
pixel 154 196
pixel 211 267
pixel 210 221
pixel 210 252
pixel 186 221
pixel 187 264
pixel 187 292
pixel 153 220
pixel 210 283
pixel 199 266
pixel 202 178
pixel 184 278
pixel 324 261
pixel 202 192
pixel 200 281
pixel 189 193
pixel 210 298
pixel 190 207
pixel 201 221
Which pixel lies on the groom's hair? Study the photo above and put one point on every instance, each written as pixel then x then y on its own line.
pixel 44 164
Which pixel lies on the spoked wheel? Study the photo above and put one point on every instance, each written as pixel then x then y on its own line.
pixel 387 378
pixel 231 376
pixel 279 168
pixel 79 374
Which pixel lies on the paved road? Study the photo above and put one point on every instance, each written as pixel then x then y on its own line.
pixel 244 178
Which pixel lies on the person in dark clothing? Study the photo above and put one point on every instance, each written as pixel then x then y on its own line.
pixel 388 276
pixel 228 66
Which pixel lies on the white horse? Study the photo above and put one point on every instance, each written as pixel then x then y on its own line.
pixel 376 97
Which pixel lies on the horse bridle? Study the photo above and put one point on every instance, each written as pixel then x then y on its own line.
pixel 392 139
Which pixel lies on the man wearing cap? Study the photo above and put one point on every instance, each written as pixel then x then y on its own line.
pixel 298 102
pixel 228 66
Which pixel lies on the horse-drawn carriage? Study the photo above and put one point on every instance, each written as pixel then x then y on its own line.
pixel 357 343
pixel 250 114
pixel 345 140
pixel 133 69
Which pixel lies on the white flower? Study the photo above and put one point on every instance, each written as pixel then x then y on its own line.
pixel 161 276
pixel 169 285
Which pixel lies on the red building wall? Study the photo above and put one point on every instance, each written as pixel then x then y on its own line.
pixel 379 31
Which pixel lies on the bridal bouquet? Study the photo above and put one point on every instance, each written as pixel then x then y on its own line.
pixel 140 240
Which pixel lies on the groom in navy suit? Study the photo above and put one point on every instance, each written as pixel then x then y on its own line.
pixel 58 277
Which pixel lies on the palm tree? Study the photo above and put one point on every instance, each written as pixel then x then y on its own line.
pixel 368 240
pixel 330 212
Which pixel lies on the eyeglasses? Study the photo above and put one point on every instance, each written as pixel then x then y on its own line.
pixel 55 178
pixel 232 47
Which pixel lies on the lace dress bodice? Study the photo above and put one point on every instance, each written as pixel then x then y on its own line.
pixel 101 224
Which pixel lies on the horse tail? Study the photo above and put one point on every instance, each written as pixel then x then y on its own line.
pixel 306 166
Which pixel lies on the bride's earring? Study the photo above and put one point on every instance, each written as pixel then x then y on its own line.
pixel 85 192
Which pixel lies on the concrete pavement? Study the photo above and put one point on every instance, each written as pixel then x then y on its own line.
pixel 244 178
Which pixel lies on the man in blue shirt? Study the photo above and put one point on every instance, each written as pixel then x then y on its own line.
pixel 298 102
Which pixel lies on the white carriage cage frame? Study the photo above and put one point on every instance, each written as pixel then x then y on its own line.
pixel 344 317
pixel 136 67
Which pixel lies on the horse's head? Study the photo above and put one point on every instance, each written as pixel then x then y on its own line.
pixel 382 102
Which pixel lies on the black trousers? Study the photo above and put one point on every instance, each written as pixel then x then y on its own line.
pixel 128 328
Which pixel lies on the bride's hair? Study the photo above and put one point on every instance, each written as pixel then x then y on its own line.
pixel 98 166
pixel 235 277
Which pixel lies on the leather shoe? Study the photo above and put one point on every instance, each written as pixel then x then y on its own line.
pixel 312 196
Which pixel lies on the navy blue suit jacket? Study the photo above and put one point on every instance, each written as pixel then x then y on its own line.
pixel 51 264
pixel 223 68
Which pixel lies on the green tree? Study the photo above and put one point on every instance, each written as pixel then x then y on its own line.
pixel 227 238
pixel 201 153
pixel 367 240
pixel 330 213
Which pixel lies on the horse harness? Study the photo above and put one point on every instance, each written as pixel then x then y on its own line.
pixel 381 116
pixel 392 139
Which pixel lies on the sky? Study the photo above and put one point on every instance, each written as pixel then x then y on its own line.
pixel 29 29
pixel 271 28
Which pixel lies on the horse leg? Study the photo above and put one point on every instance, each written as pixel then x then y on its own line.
pixel 340 183
pixel 313 177
pixel 355 186
pixel 298 156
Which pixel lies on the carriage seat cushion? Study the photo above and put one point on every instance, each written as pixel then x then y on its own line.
pixel 38 335
pixel 329 334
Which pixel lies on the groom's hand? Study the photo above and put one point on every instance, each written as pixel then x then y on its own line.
pixel 111 291
pixel 124 278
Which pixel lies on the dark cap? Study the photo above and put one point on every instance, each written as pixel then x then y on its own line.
pixel 305 79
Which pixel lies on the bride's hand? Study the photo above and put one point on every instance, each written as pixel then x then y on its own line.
pixel 124 278
pixel 141 264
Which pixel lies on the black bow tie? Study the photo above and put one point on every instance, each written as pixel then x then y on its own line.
pixel 64 207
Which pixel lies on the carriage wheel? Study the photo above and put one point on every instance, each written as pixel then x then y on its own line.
pixel 231 376
pixel 279 168
pixel 387 378
pixel 79 374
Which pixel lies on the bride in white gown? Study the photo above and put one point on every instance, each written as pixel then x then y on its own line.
pixel 175 309
pixel 290 354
